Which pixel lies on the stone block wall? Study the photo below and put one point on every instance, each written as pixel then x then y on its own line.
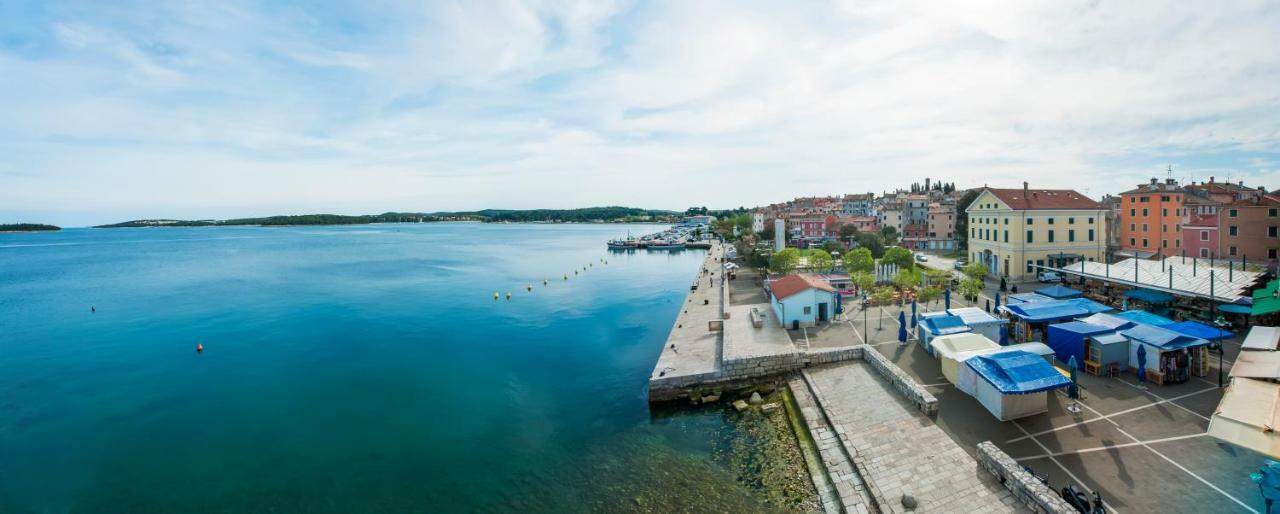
pixel 1028 489
pixel 903 382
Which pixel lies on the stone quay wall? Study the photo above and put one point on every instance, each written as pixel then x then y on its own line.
pixel 741 372
pixel 1028 489
pixel 903 382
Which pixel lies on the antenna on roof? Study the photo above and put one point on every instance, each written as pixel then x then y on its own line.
pixel 1169 171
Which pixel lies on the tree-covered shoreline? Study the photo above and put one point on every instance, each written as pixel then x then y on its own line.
pixel 583 215
pixel 29 227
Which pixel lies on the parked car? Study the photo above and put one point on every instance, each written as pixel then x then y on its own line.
pixel 961 263
pixel 1048 276
pixel 920 257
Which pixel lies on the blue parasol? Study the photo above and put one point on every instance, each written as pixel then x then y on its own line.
pixel 902 327
pixel 997 301
pixel 1073 392
pixel 1268 480
pixel 946 298
pixel 1142 363
pixel 1004 335
pixel 913 313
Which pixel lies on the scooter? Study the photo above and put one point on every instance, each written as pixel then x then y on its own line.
pixel 1076 498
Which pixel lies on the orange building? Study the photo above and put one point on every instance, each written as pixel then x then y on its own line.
pixel 1150 221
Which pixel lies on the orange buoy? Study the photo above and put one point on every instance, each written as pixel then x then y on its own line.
pixel 199 347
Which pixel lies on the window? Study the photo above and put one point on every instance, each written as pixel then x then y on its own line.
pixel 1271 253
pixel 973 232
pixel 1144 199
pixel 1271 212
pixel 1271 231
pixel 1050 236
pixel 1233 230
pixel 1177 243
pixel 1144 227
pixel 1164 198
pixel 1204 235
pixel 1177 227
pixel 808 309
pixel 1133 242
pixel 1132 199
pixel 1006 236
pixel 1090 221
pixel 1144 243
pixel 1071 236
pixel 1031 236
pixel 1006 221
pixel 1050 221
pixel 1030 266
pixel 1144 212
pixel 1204 252
pixel 1133 227
pixel 1071 221
pixel 1031 221
pixel 1231 250
pixel 1091 234
pixel 1133 213
pixel 1164 228
pixel 1232 213
pixel 1164 243
pixel 1164 212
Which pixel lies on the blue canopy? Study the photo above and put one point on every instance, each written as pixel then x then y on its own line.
pixel 1198 329
pixel 1055 310
pixel 944 324
pixel 1235 309
pixel 1026 298
pixel 1080 327
pixel 1067 339
pixel 1145 317
pixel 1017 372
pixel 1149 296
pixel 1161 338
pixel 1058 292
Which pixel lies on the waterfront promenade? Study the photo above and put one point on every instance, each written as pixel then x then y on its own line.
pixel 692 352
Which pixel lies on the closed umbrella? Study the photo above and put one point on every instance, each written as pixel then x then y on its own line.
pixel 1004 335
pixel 1142 363
pixel 997 301
pixel 913 313
pixel 1073 392
pixel 902 327
pixel 946 298
pixel 988 305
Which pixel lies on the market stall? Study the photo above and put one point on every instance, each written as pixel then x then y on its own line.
pixel 1010 384
pixel 1171 357
pixel 953 349
pixel 979 321
pixel 1029 321
pixel 1058 292
pixel 935 324
pixel 1040 349
pixel 1247 416
pixel 1264 339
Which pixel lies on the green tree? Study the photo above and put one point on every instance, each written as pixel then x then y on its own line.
pixel 938 277
pixel 975 271
pixel 820 260
pixel 847 231
pixel 900 256
pixel 832 247
pixel 864 280
pixel 784 262
pixel 962 219
pixel 743 222
pixel 929 294
pixel 906 278
pixel 970 287
pixel 882 295
pixel 859 260
pixel 890 235
pixel 871 241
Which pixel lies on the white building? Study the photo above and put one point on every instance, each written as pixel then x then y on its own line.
pixel 802 301
pixel 779 235
pixel 757 222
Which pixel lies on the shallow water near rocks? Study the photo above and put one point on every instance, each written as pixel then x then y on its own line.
pixel 357 369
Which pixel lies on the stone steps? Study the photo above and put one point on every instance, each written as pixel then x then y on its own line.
pixel 841 489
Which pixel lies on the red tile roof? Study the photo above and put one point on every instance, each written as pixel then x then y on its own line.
pixel 789 285
pixel 1044 199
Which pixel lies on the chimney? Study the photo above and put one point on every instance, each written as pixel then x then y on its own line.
pixel 1153 181
pixel 1025 195
pixel 1210 179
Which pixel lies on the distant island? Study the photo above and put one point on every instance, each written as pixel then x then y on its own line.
pixel 29 227
pixel 584 215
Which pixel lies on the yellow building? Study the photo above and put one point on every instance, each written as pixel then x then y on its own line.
pixel 1014 231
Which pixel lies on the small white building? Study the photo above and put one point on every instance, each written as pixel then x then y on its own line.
pixel 802 301
pixel 779 234
pixel 757 222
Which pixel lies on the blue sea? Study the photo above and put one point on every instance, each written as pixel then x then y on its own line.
pixel 346 369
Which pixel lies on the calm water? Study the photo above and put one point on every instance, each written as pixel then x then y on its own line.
pixel 346 369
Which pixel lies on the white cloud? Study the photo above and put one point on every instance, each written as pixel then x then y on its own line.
pixel 459 105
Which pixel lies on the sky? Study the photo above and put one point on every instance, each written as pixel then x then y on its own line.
pixel 112 111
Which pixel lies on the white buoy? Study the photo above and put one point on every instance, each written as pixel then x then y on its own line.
pixel 495 295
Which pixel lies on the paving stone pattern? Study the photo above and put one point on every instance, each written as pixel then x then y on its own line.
pixel 850 493
pixel 898 450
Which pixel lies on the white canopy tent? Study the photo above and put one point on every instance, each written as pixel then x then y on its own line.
pixel 1262 339
pixel 1247 416
pixel 954 349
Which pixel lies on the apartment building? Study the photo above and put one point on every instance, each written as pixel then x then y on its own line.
pixel 1013 232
